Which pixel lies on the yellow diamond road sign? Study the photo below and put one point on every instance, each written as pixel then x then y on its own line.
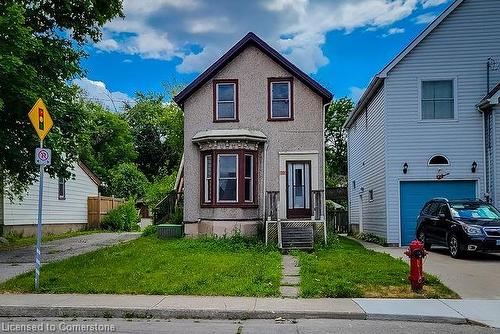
pixel 40 118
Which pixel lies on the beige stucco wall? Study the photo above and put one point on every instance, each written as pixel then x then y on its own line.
pixel 251 68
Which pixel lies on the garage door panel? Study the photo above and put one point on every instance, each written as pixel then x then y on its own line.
pixel 414 194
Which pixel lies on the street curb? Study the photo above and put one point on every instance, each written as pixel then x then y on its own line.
pixel 108 312
pixel 417 318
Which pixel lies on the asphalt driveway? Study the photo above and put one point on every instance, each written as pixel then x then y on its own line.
pixel 20 260
pixel 477 276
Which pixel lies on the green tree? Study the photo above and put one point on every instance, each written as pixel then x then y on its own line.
pixel 106 142
pixel 158 131
pixel 335 141
pixel 127 181
pixel 41 45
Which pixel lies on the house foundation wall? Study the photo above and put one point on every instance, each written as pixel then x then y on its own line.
pixel 30 230
pixel 222 228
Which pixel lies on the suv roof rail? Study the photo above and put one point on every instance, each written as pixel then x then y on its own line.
pixel 467 199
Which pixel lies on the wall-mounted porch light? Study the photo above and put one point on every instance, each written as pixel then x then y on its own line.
pixel 473 167
pixel 405 168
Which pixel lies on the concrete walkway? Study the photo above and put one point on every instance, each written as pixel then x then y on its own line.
pixel 20 260
pixel 193 307
pixel 291 277
pixel 477 276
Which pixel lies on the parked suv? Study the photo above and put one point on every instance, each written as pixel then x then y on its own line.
pixel 461 225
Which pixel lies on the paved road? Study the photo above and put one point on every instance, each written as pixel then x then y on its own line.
pixel 477 276
pixel 17 261
pixel 238 327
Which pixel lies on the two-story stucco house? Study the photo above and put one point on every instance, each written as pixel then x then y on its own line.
pixel 253 143
pixel 426 126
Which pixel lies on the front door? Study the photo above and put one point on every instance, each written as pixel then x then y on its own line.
pixel 298 187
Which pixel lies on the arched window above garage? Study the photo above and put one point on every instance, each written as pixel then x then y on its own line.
pixel 438 160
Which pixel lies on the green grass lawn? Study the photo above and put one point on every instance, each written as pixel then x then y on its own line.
pixel 148 265
pixel 346 269
pixel 18 242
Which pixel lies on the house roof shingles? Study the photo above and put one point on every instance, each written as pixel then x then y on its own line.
pixel 251 39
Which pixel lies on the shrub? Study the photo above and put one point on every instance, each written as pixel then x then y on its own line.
pixel 177 216
pixel 159 189
pixel 149 230
pixel 370 237
pixel 123 218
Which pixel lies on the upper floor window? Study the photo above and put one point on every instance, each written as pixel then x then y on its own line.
pixel 225 100
pixel 437 100
pixel 61 189
pixel 280 95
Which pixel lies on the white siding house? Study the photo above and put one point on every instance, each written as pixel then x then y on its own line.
pixel 64 204
pixel 425 104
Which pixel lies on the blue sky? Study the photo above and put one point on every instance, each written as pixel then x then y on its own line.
pixel 340 43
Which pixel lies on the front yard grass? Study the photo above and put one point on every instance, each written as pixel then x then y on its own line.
pixel 345 268
pixel 19 241
pixel 148 265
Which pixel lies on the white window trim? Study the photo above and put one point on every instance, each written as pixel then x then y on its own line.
pixel 218 176
pixel 289 99
pixel 217 101
pixel 207 177
pixel 249 178
pixel 455 99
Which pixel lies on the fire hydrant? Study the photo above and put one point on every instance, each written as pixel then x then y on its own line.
pixel 416 253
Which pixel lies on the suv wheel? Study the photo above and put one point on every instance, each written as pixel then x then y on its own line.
pixel 422 238
pixel 454 247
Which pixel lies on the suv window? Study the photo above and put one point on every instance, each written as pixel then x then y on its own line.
pixel 444 210
pixel 426 208
pixel 434 209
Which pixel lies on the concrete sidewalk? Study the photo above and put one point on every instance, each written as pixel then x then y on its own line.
pixel 194 307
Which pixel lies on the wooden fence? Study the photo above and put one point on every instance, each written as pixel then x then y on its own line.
pixel 337 221
pixel 98 207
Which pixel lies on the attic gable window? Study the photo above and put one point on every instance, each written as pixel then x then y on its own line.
pixel 225 100
pixel 438 100
pixel 280 99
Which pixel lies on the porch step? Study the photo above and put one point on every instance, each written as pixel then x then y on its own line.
pixel 297 237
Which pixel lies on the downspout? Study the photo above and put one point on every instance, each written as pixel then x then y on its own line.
pixel 264 171
pixel 323 209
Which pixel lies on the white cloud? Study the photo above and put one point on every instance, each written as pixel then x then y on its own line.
pixel 356 93
pixel 425 18
pixel 432 3
pixel 167 29
pixel 394 31
pixel 96 91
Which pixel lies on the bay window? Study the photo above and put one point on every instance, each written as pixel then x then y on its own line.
pixel 228 178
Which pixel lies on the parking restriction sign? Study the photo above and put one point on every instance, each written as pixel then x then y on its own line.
pixel 43 156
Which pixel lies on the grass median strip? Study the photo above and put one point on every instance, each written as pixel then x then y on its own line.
pixel 345 268
pixel 208 266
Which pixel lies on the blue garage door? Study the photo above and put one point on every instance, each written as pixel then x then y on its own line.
pixel 413 195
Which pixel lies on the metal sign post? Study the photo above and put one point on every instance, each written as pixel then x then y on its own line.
pixel 38 255
pixel 42 122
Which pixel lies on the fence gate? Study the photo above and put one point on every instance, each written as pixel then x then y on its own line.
pixel 337 221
